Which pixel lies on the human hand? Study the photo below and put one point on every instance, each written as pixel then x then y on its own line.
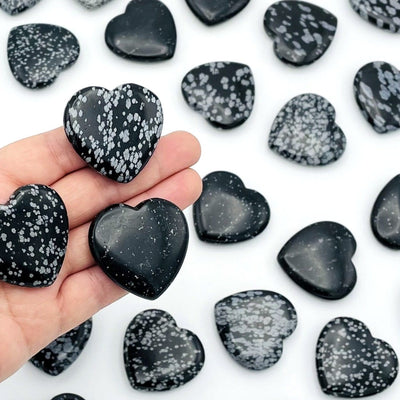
pixel 30 318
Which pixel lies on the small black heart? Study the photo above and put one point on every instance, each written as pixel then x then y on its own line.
pixel 228 212
pixel 318 258
pixel 37 53
pixel 212 12
pixel 68 396
pixel 382 13
pixel 377 92
pixel 385 216
pixel 352 363
pixel 222 92
pixel 302 32
pixel 64 351
pixel 252 326
pixel 33 236
pixel 16 6
pixel 90 4
pixel 115 132
pixel 305 131
pixel 146 32
pixel 140 248
pixel 158 354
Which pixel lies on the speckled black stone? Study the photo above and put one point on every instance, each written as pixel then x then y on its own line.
pixel 318 258
pixel 213 12
pixel 252 326
pixel 377 92
pixel 228 212
pixel 384 14
pixel 385 216
pixel 38 53
pixel 60 354
pixel 158 354
pixel 351 363
pixel 142 248
pixel 14 7
pixel 68 396
pixel 33 236
pixel 146 32
pixel 302 32
pixel 222 92
pixel 91 4
pixel 115 132
pixel 305 131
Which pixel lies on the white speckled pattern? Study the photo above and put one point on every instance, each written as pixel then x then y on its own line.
pixel 16 6
pixel 90 4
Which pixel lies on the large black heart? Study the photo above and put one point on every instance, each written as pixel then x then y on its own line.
pixel 352 363
pixel 33 236
pixel 64 351
pixel 302 31
pixel 228 212
pixel 140 248
pixel 382 13
pixel 252 326
pixel 37 53
pixel 222 92
pixel 305 131
pixel 16 6
pixel 385 215
pixel 318 258
pixel 377 92
pixel 146 32
pixel 158 354
pixel 213 12
pixel 114 131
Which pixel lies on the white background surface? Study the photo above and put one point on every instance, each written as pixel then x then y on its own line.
pixel 343 192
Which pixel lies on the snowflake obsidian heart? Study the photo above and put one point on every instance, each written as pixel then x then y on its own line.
pixel 114 131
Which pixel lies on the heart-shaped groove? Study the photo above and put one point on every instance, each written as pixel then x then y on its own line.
pixel 377 92
pixel 381 13
pixel 60 354
pixel 33 236
pixel 38 53
pixel 140 248
pixel 228 212
pixel 252 326
pixel 318 258
pixel 14 7
pixel 68 396
pixel 158 354
pixel 212 12
pixel 305 131
pixel 91 4
pixel 352 363
pixel 145 32
pixel 222 92
pixel 115 132
pixel 302 32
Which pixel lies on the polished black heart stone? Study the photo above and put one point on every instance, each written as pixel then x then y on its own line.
pixel 352 363
pixel 140 248
pixel 222 92
pixel 385 216
pixel 68 396
pixel 302 32
pixel 305 131
pixel 158 354
pixel 318 258
pixel 63 352
pixel 33 236
pixel 37 53
pixel 377 92
pixel 16 6
pixel 382 13
pixel 252 326
pixel 212 12
pixel 115 132
pixel 146 32
pixel 228 212
pixel 90 4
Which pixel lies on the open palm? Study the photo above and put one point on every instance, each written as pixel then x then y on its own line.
pixel 30 318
